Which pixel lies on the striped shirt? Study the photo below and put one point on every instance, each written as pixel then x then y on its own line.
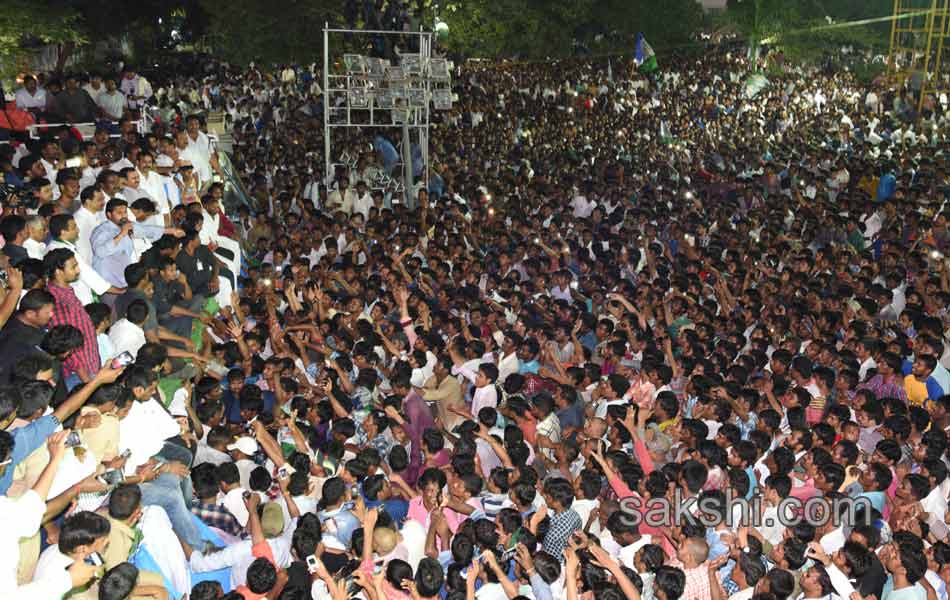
pixel 68 310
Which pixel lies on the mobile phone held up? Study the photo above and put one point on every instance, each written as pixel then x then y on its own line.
pixel 123 360
pixel 313 563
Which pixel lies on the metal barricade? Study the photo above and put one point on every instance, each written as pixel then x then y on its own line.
pixel 86 130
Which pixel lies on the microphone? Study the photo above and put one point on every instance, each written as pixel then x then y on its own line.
pixel 122 223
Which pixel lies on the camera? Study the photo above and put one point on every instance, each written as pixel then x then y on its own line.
pixel 112 477
pixel 19 197
pixel 94 559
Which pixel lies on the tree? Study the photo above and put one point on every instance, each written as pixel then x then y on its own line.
pixel 801 27
pixel 548 28
pixel 22 21
pixel 273 31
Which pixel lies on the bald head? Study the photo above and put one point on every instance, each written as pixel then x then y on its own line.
pixel 695 552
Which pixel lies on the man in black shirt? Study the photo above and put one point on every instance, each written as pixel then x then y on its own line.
pixel 873 580
pixel 23 333
pixel 175 304
pixel 198 265
pixel 13 230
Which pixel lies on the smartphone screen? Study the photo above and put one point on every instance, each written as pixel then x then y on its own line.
pixel 122 360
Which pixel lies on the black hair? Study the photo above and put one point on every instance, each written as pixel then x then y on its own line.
pixel 261 576
pixel 228 473
pixel 82 529
pixel 118 582
pixel 670 580
pixel 429 577
pixel 560 490
pixel 124 500
pixel 206 590
pixel 61 339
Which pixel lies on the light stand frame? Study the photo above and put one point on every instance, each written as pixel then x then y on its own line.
pixel 920 29
pixel 417 119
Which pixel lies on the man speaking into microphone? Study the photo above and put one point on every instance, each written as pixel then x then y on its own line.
pixel 112 246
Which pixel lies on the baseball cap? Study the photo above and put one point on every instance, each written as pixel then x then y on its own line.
pixel 272 520
pixel 244 444
pixel 418 378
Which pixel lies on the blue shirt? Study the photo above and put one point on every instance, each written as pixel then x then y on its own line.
pixel 344 524
pixel 876 499
pixel 25 440
pixel 531 366
pixel 934 389
pixel 589 340
pixel 396 507
pixel 232 407
pixel 109 258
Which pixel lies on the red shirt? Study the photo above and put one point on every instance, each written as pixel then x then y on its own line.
pixel 69 310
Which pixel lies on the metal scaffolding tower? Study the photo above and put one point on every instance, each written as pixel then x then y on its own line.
pixel 919 31
pixel 368 92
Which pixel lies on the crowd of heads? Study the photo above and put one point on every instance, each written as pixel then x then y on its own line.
pixel 608 294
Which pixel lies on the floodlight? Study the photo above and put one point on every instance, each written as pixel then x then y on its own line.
pixel 399 94
pixel 358 98
pixel 412 64
pixel 384 100
pixel 442 99
pixel 394 73
pixel 417 98
pixel 376 67
pixel 400 116
pixel 440 68
pixel 355 64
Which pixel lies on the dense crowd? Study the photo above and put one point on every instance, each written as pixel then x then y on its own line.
pixel 619 296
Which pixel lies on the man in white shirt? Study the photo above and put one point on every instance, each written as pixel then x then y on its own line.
pixel 582 207
pixel 57 558
pixel 65 233
pixel 239 556
pixel 242 450
pixel 111 100
pixel 95 86
pixel 203 155
pixel 151 182
pixel 211 211
pixel 867 361
pixel 136 88
pixel 21 518
pixel 36 233
pixel 363 200
pixel 342 198
pixel 31 97
pixel 165 167
pixel 127 334
pixel 88 217
pixel 144 433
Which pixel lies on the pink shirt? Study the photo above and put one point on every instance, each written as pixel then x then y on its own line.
pixel 419 513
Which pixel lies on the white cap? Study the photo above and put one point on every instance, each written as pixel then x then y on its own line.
pixel 418 378
pixel 499 338
pixel 163 160
pixel 244 444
